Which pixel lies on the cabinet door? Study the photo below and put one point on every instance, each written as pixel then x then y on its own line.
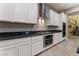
pixel 51 17
pixel 5 11
pixel 57 37
pixel 47 12
pixel 25 49
pixel 55 18
pixel 33 13
pixel 27 12
pixel 10 51
pixel 51 20
pixel 19 13
pixel 60 20
pixel 37 44
pixel 37 47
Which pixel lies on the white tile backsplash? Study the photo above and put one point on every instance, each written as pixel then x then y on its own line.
pixel 12 27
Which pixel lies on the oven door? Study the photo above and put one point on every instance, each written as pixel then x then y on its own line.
pixel 48 40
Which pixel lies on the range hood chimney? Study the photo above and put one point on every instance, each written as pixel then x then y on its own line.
pixel 42 10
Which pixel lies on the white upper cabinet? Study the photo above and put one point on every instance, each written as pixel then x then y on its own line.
pixel 47 12
pixel 60 21
pixel 56 18
pixel 19 12
pixel 64 17
pixel 53 20
pixel 6 11
pixel 25 13
pixel 33 12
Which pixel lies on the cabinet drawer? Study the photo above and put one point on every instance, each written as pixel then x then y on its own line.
pixel 57 40
pixel 13 41
pixel 36 38
pixel 57 37
pixel 57 33
pixel 39 40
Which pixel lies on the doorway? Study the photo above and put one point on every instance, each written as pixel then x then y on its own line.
pixel 73 24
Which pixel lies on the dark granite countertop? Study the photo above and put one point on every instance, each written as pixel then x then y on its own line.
pixel 22 34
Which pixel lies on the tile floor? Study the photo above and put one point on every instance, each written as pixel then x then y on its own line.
pixel 65 48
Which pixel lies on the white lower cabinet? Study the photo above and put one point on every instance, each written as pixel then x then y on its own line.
pixel 20 48
pixel 37 44
pixel 27 46
pixel 9 51
pixel 57 37
pixel 36 47
pixel 25 49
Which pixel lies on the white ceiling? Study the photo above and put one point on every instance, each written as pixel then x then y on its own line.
pixel 62 6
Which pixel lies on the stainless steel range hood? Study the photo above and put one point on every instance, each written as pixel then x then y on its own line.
pixel 43 10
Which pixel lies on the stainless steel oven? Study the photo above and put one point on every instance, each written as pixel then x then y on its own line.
pixel 47 40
